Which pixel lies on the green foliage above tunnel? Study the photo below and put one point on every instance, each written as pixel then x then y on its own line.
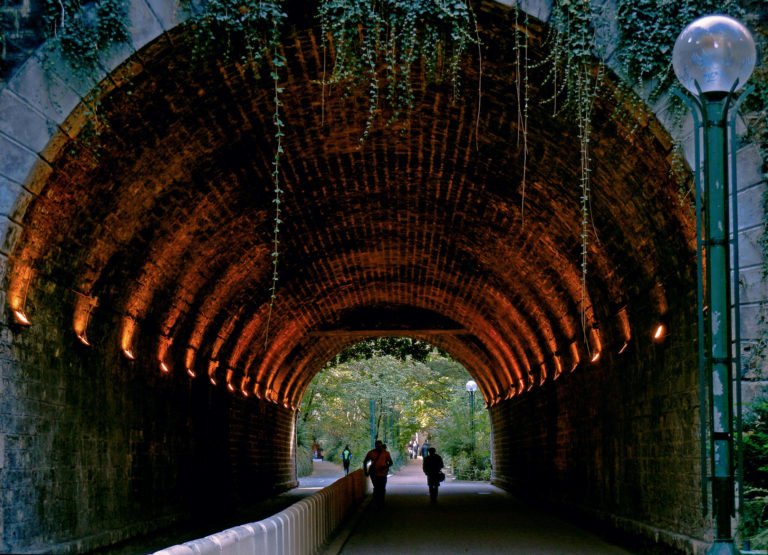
pixel 407 395
pixel 754 521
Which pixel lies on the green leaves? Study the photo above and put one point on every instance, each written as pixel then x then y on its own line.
pixel 417 394
pixel 755 444
pixel 81 34
pixel 378 44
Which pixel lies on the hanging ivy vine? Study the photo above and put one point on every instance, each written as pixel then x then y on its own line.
pixel 250 32
pixel 377 45
pixel 576 76
pixel 81 34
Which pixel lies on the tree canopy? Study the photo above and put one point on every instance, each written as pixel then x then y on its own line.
pixel 399 388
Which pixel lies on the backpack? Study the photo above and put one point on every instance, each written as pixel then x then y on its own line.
pixel 346 455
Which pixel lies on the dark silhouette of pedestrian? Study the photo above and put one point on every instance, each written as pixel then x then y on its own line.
pixel 433 466
pixel 346 457
pixel 380 461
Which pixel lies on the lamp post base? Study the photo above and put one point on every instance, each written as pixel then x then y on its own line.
pixel 723 547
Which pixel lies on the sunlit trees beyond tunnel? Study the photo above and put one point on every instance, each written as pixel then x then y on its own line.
pixel 396 390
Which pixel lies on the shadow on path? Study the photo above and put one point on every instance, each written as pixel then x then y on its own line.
pixel 470 517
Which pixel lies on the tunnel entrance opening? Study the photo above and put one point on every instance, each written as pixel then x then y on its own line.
pixel 406 393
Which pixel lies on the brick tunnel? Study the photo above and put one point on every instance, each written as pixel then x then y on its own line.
pixel 154 383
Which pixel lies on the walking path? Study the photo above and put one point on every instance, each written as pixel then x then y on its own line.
pixel 470 517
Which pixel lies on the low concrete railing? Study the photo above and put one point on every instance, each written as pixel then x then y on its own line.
pixel 301 529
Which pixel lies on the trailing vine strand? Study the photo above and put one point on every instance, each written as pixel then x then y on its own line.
pixel 278 62
pixel 378 46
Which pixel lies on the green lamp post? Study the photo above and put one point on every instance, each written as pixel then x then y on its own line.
pixel 471 388
pixel 713 58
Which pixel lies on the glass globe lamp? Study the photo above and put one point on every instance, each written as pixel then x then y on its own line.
pixel 715 52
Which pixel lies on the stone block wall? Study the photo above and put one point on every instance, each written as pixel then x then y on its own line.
pixel 20 34
pixel 614 443
pixel 95 448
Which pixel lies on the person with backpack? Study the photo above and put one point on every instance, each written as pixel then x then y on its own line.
pixel 380 460
pixel 433 468
pixel 346 457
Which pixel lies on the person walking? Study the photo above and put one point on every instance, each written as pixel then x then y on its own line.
pixel 433 466
pixel 380 461
pixel 346 457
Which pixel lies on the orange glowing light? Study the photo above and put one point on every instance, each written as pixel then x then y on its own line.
pixel 84 305
pixel 286 405
pixel 189 358
pixel 129 326
pixel 212 366
pixel 191 373
pixel 231 387
pixel 164 367
pixel 595 357
pixel 624 347
pixel 624 324
pixel 244 385
pixel 658 335
pixel 21 318
pixel 596 344
pixel 575 356
pixel 17 294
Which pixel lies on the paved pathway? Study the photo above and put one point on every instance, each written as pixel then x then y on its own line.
pixel 470 517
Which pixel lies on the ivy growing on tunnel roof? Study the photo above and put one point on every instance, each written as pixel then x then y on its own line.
pixel 379 45
pixel 390 48
pixel 82 34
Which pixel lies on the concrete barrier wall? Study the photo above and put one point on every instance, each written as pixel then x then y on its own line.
pixel 298 530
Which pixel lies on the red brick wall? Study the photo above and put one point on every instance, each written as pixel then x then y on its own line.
pixel 98 448
pixel 615 443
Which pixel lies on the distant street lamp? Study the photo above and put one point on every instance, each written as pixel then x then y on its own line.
pixel 713 58
pixel 472 387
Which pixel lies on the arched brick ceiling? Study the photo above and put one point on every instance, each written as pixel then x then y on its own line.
pixel 165 216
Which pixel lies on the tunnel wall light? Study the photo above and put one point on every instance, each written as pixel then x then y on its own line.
pixel 20 317
pixel 212 366
pixel 228 379
pixel 659 332
pixel 126 338
pixel 189 362
pixel 558 365
pixel 84 306
pixel 575 356
pixel 624 326
pixel 595 343
pixel 17 295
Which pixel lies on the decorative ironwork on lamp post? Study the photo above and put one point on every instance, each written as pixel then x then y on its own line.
pixel 713 58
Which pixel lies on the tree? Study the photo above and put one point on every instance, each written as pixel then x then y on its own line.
pixel 409 392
